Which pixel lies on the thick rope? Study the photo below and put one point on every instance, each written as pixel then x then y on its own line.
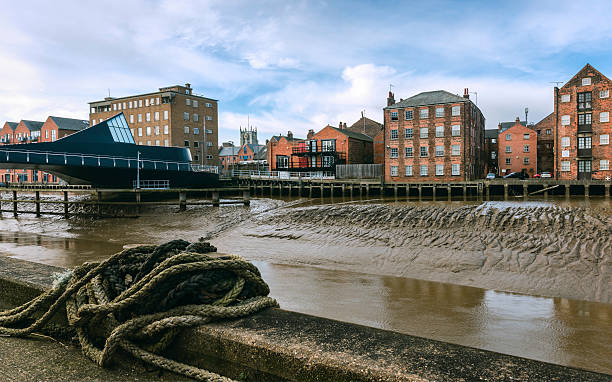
pixel 139 299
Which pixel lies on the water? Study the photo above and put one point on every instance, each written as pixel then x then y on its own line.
pixel 563 331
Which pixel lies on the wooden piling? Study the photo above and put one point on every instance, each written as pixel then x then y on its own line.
pixel 37 198
pixel 448 192
pixel 66 203
pixel 15 203
pixel 183 200
pixel 505 191
pixel 586 190
pixel 246 197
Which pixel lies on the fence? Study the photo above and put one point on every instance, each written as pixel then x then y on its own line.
pixel 283 175
pixel 359 171
pixel 152 184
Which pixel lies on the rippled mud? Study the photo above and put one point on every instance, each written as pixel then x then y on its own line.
pixel 534 248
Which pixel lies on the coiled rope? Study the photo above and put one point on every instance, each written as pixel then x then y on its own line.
pixel 139 299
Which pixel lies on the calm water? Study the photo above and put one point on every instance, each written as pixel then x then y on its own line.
pixel 557 330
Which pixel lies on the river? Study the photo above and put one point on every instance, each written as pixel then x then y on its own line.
pixel 319 261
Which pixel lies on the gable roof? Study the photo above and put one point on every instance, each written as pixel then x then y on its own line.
pixel 229 151
pixel 255 148
pixel 506 125
pixel 12 125
pixel 262 154
pixel 32 125
pixel 429 98
pixel 491 133
pixel 352 134
pixel 371 127
pixel 70 123
pixel 278 137
pixel 587 67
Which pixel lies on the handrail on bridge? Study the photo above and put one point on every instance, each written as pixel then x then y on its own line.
pixel 253 174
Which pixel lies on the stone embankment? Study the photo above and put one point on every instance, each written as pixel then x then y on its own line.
pixel 527 248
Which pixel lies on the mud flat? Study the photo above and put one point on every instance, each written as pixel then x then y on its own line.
pixel 533 248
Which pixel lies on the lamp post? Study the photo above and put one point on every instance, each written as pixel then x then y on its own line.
pixel 138 171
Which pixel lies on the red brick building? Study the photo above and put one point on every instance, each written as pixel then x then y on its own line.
pixel 544 130
pixel 58 127
pixel 583 127
pixel 491 151
pixel 280 148
pixel 375 131
pixel 517 149
pixel 433 136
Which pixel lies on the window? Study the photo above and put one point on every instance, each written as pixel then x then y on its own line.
pixel 439 151
pixel 423 151
pixel 604 164
pixel 209 144
pixel 209 156
pixel 149 130
pixel 130 104
pixel 140 131
pixel 186 116
pixel 196 157
pixel 456 130
pixel 565 165
pixel 394 152
pixel 508 161
pixel 166 142
pixel 439 169
pixel 604 116
pixel 156 130
pixel 586 81
pixel 439 131
pixel 208 118
pixel 526 136
pixel 455 169
pixel 493 155
pixel 148 117
pixel 585 118
pixel 186 143
pixel 208 131
pixel 394 134
pixel 186 129
pixel 565 97
pixel 196 131
pixel 139 103
pixel 439 112
pixel 132 131
pixel 148 143
pixel 53 135
pixel 166 129
pixel 157 101
pixel 394 171
pixel 408 171
pixel 424 132
pixel 604 139
pixel 526 160
pixel 455 150
pixel 409 152
pixel 188 102
pixel 456 110
pixel 565 141
pixel 131 118
pixel 525 148
pixel 408 115
pixel 147 104
pixel 548 131
pixel 508 137
pixel 195 103
pixel 584 101
pixel 196 144
pixel 114 107
pixel 584 143
pixel 564 153
pixel 424 113
pixel 196 117
pixel 604 94
pixel 156 116
pixel 208 104
pixel 424 170
pixel 565 120
pixel 394 116
pixel 508 149
pixel 408 133
pixel 139 117
pixel 165 115
pixel 46 134
pixel 157 142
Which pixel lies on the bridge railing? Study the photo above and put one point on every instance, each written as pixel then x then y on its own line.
pixel 91 160
pixel 286 175
pixel 205 168
pixel 152 184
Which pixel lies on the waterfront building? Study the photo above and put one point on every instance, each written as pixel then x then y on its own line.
pixel 59 127
pixel 433 136
pixel 25 131
pixel 172 116
pixel 280 148
pixel 583 127
pixel 517 148
pixel 375 131
pixel 544 130
pixel 491 165
pixel 228 157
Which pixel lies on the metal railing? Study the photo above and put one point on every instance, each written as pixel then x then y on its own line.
pixel 205 168
pixel 283 175
pixel 152 184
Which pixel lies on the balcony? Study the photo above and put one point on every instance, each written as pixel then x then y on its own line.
pixel 308 150
pixel 585 153
pixel 585 128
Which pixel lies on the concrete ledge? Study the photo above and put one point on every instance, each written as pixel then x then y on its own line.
pixel 278 345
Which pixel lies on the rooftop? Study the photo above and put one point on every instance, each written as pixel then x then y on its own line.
pixel 32 125
pixel 70 123
pixel 371 127
pixel 435 97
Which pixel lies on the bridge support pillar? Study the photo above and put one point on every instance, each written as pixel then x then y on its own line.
pixel 506 191
pixel 464 192
pixel 433 192
pixel 246 197
pixel 607 190
pixel 394 191
pixel 183 200
pixel 322 191
pixel 488 188
pixel 367 190
pixel 525 191
pixel 420 189
pixel 37 198
pixel 15 203
pixel 448 192
pixel 545 192
pixel 66 203
pixel 567 191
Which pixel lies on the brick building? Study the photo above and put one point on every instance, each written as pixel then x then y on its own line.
pixel 544 130
pixel 172 116
pixel 583 127
pixel 373 130
pixel 491 165
pixel 58 127
pixel 433 136
pixel 280 148
pixel 517 149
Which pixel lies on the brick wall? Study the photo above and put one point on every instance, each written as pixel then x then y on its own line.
pixel 545 130
pixel 517 138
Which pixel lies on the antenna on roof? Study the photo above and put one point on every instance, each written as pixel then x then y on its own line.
pixel 109 92
pixel 390 87
pixel 556 83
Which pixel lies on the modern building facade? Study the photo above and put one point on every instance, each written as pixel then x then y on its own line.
pixel 517 149
pixel 544 130
pixel 583 127
pixel 172 116
pixel 433 136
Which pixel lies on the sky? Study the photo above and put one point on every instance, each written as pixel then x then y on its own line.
pixel 296 65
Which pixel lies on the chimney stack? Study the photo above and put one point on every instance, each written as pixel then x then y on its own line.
pixel 390 99
pixel 466 93
pixel 340 125
pixel 310 134
pixel 188 85
pixel 344 125
pixel 289 135
pixel 518 121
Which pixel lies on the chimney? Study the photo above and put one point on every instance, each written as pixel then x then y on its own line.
pixel 344 125
pixel 390 99
pixel 340 125
pixel 310 134
pixel 289 135
pixel 466 93
pixel 518 121
pixel 188 85
pixel 499 128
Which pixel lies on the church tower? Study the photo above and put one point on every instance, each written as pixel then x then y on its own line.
pixel 248 135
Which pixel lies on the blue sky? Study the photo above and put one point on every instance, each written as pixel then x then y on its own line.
pixel 296 65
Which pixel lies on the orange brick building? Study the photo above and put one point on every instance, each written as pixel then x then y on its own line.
pixel 544 129
pixel 517 149
pixel 280 148
pixel 583 127
pixel 433 136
